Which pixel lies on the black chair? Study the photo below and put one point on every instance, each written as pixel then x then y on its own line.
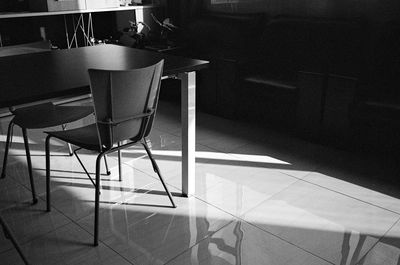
pixel 125 104
pixel 38 117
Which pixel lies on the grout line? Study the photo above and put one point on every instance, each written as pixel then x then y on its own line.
pixel 201 240
pixel 76 222
pixel 276 236
pixel 377 242
pixel 350 196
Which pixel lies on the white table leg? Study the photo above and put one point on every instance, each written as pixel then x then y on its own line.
pixel 188 119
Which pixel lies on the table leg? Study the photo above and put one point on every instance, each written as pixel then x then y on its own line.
pixel 188 119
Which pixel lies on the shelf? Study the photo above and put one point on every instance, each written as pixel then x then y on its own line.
pixel 83 11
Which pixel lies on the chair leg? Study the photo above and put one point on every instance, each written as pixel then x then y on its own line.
pixel 11 237
pixel 119 162
pixel 64 126
pixel 157 170
pixel 108 172
pixel 8 143
pixel 97 201
pixel 48 204
pixel 28 159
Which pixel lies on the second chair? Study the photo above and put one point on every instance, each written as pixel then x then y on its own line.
pixel 38 117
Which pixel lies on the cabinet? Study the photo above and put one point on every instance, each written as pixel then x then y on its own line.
pixel 323 105
pixel 339 96
pixel 310 103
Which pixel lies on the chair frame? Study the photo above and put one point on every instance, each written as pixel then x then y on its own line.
pixel 140 137
pixel 10 132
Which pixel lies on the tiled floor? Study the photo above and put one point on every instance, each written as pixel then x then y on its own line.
pixel 261 198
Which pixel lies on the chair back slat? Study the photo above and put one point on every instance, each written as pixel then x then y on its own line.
pixel 121 95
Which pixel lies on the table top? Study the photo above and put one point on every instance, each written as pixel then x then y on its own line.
pixel 39 76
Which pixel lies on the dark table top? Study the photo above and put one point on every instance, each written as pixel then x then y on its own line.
pixel 39 76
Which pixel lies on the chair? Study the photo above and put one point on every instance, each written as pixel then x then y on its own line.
pixel 37 117
pixel 125 104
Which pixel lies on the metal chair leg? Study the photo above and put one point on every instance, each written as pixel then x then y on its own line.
pixel 8 142
pixel 108 172
pixel 28 159
pixel 119 162
pixel 64 126
pixel 10 236
pixel 97 201
pixel 157 170
pixel 48 204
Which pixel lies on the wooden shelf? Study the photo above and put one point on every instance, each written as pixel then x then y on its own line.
pixel 83 11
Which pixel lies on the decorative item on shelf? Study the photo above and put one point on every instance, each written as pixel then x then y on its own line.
pixel 166 30
pixel 96 4
pixel 125 2
pixel 135 37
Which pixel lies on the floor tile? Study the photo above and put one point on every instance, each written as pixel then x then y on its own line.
pixel 220 141
pixel 68 245
pixel 386 251
pixel 28 222
pixel 165 232
pixel 169 161
pixel 77 200
pixel 328 224
pixel 241 243
pixel 211 167
pixel 11 193
pixel 359 187
pixel 238 192
pixel 11 257
pixel 65 170
pixel 291 159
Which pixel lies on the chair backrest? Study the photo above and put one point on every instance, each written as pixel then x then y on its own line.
pixel 125 102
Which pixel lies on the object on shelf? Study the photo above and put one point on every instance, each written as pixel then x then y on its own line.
pixel 95 4
pixel 167 30
pixel 135 37
pixel 129 2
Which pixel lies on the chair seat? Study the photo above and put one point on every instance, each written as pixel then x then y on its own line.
pixel 48 115
pixel 85 137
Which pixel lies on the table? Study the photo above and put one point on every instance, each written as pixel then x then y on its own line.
pixel 28 78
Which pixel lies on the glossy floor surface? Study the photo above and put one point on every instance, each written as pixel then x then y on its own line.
pixel 261 198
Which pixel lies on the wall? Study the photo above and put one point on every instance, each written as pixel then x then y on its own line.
pixel 374 10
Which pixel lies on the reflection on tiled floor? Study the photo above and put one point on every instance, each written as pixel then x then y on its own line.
pixel 261 198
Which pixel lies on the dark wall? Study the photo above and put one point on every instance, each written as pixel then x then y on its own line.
pixel 375 10
pixel 374 13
